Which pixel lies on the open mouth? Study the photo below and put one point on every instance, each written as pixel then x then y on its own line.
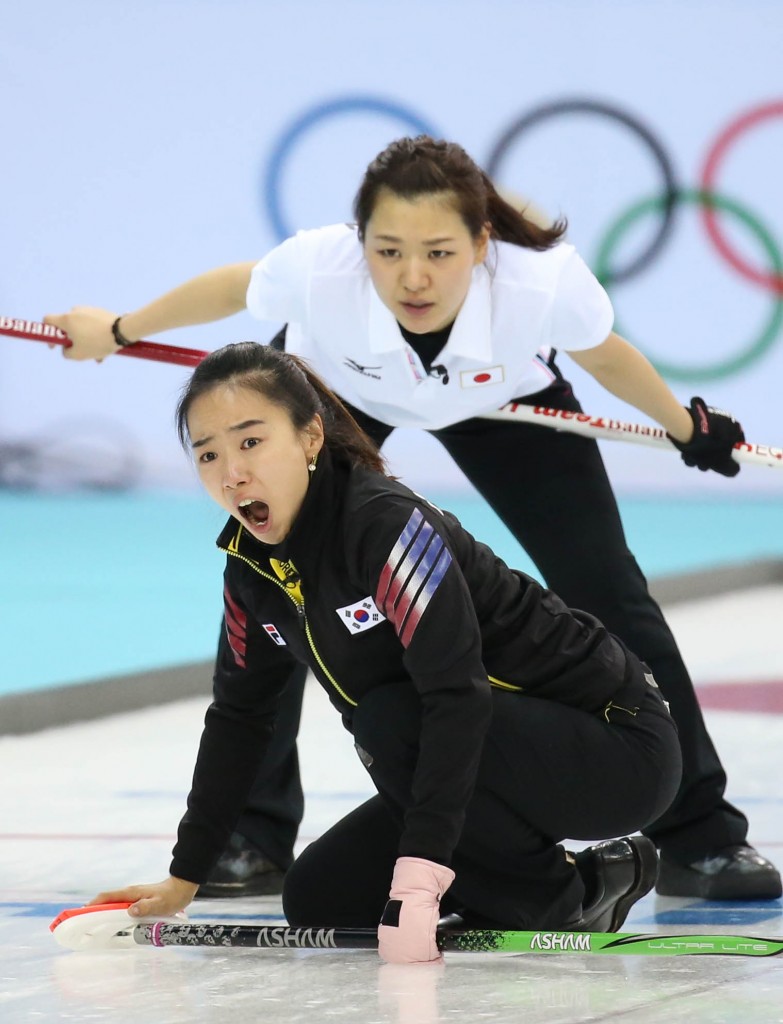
pixel 256 513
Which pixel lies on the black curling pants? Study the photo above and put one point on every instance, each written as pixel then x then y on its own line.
pixel 552 492
pixel 547 772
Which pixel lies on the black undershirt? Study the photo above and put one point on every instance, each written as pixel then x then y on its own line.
pixel 427 346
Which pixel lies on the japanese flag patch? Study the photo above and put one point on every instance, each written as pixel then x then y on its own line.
pixel 274 633
pixel 360 615
pixel 478 378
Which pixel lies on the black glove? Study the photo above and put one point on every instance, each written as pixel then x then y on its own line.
pixel 714 435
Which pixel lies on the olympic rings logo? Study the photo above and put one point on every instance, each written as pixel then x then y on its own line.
pixel 712 204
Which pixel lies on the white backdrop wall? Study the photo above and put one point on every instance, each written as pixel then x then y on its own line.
pixel 140 143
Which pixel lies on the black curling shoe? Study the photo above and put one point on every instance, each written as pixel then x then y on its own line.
pixel 242 870
pixel 731 873
pixel 616 874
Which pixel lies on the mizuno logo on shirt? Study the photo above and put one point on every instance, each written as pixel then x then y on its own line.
pixel 363 370
pixel 413 572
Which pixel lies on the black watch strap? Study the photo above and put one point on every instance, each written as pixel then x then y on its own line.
pixel 119 337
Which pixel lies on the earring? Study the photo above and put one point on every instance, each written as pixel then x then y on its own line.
pixel 311 465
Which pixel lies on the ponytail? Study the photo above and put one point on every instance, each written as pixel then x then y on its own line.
pixel 343 434
pixel 508 224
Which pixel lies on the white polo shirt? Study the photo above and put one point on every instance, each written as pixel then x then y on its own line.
pixel 520 304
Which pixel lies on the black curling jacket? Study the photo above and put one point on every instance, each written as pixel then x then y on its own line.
pixel 374 586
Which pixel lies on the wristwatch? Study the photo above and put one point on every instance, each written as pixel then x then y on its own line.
pixel 119 337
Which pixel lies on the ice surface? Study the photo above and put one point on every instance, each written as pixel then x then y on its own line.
pixel 93 806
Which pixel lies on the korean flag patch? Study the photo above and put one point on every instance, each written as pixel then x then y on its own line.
pixel 360 615
pixel 274 633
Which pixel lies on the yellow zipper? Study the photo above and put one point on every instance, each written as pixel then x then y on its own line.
pixel 300 610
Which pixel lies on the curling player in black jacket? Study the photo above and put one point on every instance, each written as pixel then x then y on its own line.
pixel 494 721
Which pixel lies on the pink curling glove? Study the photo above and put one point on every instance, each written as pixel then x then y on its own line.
pixel 406 934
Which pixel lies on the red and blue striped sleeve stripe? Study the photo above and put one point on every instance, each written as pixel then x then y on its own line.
pixel 236 628
pixel 411 575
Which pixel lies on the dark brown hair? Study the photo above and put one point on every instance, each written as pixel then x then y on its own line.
pixel 413 167
pixel 287 381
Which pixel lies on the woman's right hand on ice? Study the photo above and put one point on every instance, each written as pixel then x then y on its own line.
pixel 158 899
pixel 89 330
